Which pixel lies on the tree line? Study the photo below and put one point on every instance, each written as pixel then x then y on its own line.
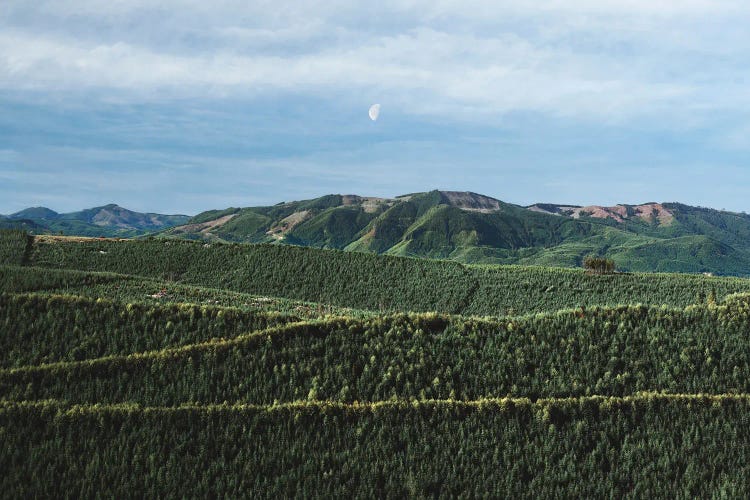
pixel 373 282
pixel 644 446
pixel 608 351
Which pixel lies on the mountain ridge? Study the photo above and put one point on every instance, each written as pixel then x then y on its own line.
pixel 459 225
pixel 105 220
pixel 474 228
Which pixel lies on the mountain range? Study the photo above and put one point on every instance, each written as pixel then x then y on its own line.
pixel 463 226
pixel 474 228
pixel 109 220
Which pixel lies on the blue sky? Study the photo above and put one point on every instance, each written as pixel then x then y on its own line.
pixel 195 105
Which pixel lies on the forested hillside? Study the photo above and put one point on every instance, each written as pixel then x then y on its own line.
pixel 367 281
pixel 156 368
pixel 648 445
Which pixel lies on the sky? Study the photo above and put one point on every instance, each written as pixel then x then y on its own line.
pixel 184 106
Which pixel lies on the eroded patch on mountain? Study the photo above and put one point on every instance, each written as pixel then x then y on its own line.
pixel 656 210
pixel 466 200
pixel 618 212
pixel 203 227
pixel 548 208
pixel 647 211
pixel 369 204
pixel 288 223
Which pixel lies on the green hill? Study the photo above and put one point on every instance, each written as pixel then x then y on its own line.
pixel 35 213
pixel 108 220
pixel 369 281
pixel 472 228
pixel 461 226
pixel 618 351
pixel 168 368
pixel 643 446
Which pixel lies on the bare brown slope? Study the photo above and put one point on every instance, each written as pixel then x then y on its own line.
pixel 466 200
pixel 203 227
pixel 619 213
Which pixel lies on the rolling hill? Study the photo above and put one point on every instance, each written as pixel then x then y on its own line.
pixel 159 367
pixel 462 226
pixel 474 228
pixel 107 220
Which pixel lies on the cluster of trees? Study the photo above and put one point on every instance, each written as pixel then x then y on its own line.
pixel 46 329
pixel 599 265
pixel 365 281
pixel 363 404
pixel 607 351
pixel 519 290
pixel 134 289
pixel 347 279
pixel 32 279
pixel 645 446
pixel 15 245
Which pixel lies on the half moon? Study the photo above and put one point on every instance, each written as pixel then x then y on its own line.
pixel 374 112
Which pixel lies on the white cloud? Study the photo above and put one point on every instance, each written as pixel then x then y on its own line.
pixel 609 60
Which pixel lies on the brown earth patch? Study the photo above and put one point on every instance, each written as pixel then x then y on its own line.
pixel 657 210
pixel 471 201
pixel 54 238
pixel 620 212
pixel 558 210
pixel 203 227
pixel 288 223
pixel 369 204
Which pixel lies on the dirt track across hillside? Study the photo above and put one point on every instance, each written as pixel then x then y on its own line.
pixel 52 238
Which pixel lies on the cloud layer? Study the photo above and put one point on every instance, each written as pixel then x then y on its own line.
pixel 180 106
pixel 610 60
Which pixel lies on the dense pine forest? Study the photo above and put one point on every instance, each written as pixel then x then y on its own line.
pixel 151 368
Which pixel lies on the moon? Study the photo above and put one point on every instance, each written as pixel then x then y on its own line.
pixel 374 112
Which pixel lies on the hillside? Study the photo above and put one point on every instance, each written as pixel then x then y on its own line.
pixel 107 220
pixel 367 281
pixel 462 226
pixel 158 368
pixel 22 224
pixel 472 228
